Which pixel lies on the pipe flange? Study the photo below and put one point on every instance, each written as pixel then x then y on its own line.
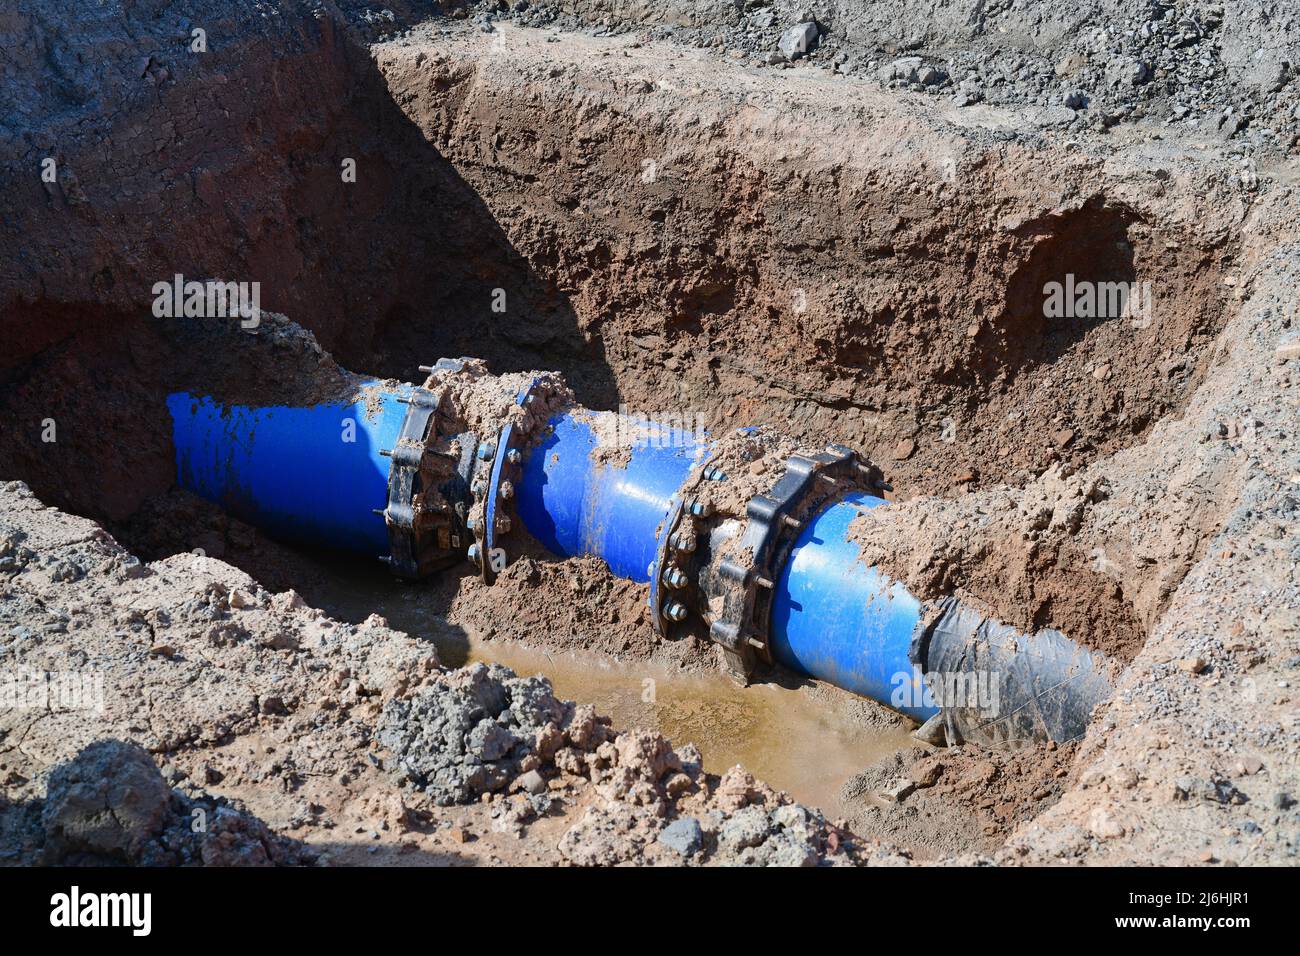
pixel 499 471
pixel 674 577
pixel 426 490
pixel 741 583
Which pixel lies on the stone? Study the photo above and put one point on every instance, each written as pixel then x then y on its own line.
pixel 931 76
pixel 906 69
pixel 1249 766
pixel 799 40
pixel 784 849
pixel 747 827
pixel 1123 777
pixel 1104 826
pixel 685 837
pixel 1070 64
pixel 927 773
pixel 109 802
pixel 898 791
pixel 531 782
pixel 791 816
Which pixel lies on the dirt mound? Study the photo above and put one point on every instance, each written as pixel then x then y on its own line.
pixel 287 728
pixel 473 732
pixel 109 805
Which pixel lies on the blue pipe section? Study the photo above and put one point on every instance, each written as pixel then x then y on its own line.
pixel 315 475
pixel 836 619
pixel 575 505
pixel 309 474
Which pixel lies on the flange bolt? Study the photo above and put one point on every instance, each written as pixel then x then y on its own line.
pixel 674 577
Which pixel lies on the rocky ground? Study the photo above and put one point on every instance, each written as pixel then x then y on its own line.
pixel 1223 69
pixel 177 713
pixel 837 220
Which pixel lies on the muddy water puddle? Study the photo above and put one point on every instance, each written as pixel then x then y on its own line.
pixel 807 739
pixel 806 744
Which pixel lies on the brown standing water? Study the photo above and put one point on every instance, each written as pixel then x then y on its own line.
pixel 801 736
pixel 807 741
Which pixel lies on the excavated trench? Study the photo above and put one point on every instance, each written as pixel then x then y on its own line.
pixel 888 299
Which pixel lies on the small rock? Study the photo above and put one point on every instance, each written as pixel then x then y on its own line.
pixel 685 836
pixel 1101 372
pixel 1123 777
pixel 1193 665
pixel 1104 826
pixel 931 76
pixel 904 449
pixel 898 791
pixel 746 827
pixel 799 40
pixel 1249 766
pixel 927 774
pixel 531 782
pixel 1071 64
pixel 905 69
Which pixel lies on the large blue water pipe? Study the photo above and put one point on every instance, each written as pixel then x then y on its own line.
pixel 834 618
pixel 292 471
pixel 312 474
pixel 574 502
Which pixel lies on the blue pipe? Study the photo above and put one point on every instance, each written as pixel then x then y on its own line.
pixel 311 474
pixel 574 504
pixel 834 618
pixel 841 621
pixel 315 474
